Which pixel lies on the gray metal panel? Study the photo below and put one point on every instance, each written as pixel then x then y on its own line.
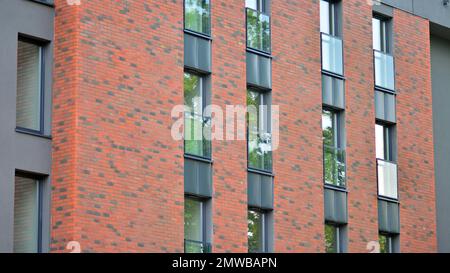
pixel 17 151
pixel 197 52
pixel 197 178
pixel 384 10
pixel 333 93
pixel 385 106
pixel 440 72
pixel 259 70
pixel 434 10
pixel 388 217
pixel 336 206
pixel 260 191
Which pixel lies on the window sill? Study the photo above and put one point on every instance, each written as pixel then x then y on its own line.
pixel 29 132
pixel 331 74
pixel 259 52
pixel 388 199
pixel 43 3
pixel 199 158
pixel 262 172
pixel 198 34
pixel 336 188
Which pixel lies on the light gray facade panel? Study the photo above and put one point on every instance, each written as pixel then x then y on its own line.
pixel 336 206
pixel 433 10
pixel 259 70
pixel 440 72
pixel 260 191
pixel 385 106
pixel 333 92
pixel 197 178
pixel 27 153
pixel 197 53
pixel 388 217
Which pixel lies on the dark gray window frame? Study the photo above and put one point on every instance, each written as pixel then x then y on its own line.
pixel 265 225
pixel 266 11
pixel 42 44
pixel 196 33
pixel 41 180
pixel 204 218
pixel 341 243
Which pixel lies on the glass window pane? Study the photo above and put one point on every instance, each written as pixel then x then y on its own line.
pixel 252 4
pixel 331 239
pixel 193 224
pixel 258 31
pixel 28 101
pixel 332 54
pixel 255 232
pixel 387 179
pixel 325 17
pixel 376 32
pixel 197 127
pixel 197 16
pixel 379 139
pixel 385 244
pixel 384 70
pixel 329 128
pixel 26 215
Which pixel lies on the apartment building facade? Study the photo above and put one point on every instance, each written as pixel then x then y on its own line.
pixel 344 149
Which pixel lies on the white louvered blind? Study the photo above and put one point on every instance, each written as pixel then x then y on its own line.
pixel 28 100
pixel 26 215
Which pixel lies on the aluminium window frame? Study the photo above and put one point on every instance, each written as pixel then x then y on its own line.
pixel 196 33
pixel 264 226
pixel 205 103
pixel 42 125
pixel 203 224
pixel 267 54
pixel 40 206
pixel 339 235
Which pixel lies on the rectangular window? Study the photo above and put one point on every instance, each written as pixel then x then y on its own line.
pixel 334 154
pixel 384 61
pixel 194 226
pixel 386 166
pixel 332 54
pixel 197 131
pixel 257 231
pixel 329 17
pixel 197 16
pixel 387 243
pixel 29 87
pixel 27 205
pixel 259 131
pixel 258 26
pixel 333 239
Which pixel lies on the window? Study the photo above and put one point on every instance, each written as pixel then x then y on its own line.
pixel 333 239
pixel 384 61
pixel 259 131
pixel 197 126
pixel 334 155
pixel 29 87
pixel 329 17
pixel 380 34
pixel 257 231
pixel 194 226
pixel 387 243
pixel 386 166
pixel 258 25
pixel 27 205
pixel 332 54
pixel 197 16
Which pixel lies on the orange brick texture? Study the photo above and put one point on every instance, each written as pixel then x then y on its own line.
pixel 118 174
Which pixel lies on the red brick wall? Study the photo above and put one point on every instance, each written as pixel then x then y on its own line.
pixel 230 159
pixel 65 85
pixel 118 175
pixel 123 173
pixel 299 217
pixel 360 125
pixel 415 133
